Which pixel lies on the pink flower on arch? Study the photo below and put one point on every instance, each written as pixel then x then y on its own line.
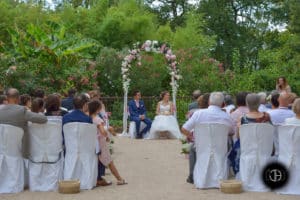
pixel 134 52
pixel 173 64
pixel 162 48
pixel 168 57
pixel 169 52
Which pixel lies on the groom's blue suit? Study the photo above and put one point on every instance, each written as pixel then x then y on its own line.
pixel 135 110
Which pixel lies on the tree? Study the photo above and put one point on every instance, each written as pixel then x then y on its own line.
pixel 125 25
pixel 192 36
pixel 294 24
pixel 170 11
pixel 49 58
pixel 239 26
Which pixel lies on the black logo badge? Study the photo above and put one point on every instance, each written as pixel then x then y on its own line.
pixel 275 175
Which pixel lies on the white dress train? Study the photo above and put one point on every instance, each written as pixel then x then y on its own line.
pixel 164 123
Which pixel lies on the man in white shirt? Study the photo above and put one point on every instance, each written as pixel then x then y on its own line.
pixel 213 114
pixel 279 115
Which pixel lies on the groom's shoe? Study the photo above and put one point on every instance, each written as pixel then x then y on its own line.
pixel 139 136
pixel 190 180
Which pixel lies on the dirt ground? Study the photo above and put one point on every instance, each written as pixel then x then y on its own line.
pixel 154 170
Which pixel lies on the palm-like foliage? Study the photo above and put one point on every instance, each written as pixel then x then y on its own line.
pixel 54 45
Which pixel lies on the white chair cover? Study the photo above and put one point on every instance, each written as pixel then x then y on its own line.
pixel 55 119
pixel 132 129
pixel 289 155
pixel 256 140
pixel 11 160
pixel 211 152
pixel 46 156
pixel 276 141
pixel 81 160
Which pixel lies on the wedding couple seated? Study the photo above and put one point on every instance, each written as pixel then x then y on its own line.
pixel 164 124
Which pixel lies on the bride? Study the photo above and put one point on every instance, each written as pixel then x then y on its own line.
pixel 164 120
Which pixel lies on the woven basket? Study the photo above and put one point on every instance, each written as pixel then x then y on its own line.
pixel 231 186
pixel 69 187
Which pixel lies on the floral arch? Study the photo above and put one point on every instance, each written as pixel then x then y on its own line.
pixel 134 55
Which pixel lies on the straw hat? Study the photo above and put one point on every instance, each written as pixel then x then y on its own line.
pixel 69 187
pixel 231 186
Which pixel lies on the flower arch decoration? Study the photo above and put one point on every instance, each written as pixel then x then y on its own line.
pixel 134 56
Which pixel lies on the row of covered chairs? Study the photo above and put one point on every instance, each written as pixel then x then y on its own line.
pixel 48 163
pixel 256 142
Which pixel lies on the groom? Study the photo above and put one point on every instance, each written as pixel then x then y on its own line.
pixel 137 113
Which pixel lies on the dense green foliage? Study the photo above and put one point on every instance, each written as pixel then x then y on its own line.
pixel 225 45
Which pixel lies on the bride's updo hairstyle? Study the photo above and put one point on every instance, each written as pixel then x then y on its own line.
pixel 162 95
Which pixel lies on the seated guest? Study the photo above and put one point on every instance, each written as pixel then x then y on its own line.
pixel 241 110
pixel 203 104
pixel 137 111
pixel 213 114
pixel 294 120
pixel 40 93
pixel 68 102
pixel 253 116
pixel 229 105
pixel 103 137
pixel 292 98
pixel 25 100
pixel 194 104
pixel 3 99
pixel 52 106
pixel 203 101
pixel 37 105
pixel 95 95
pixel 279 115
pixel 17 115
pixel 263 102
pixel 274 100
pixel 79 115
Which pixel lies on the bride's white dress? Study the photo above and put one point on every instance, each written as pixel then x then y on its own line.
pixel 162 123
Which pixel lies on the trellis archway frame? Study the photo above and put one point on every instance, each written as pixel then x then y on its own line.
pixel 134 55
